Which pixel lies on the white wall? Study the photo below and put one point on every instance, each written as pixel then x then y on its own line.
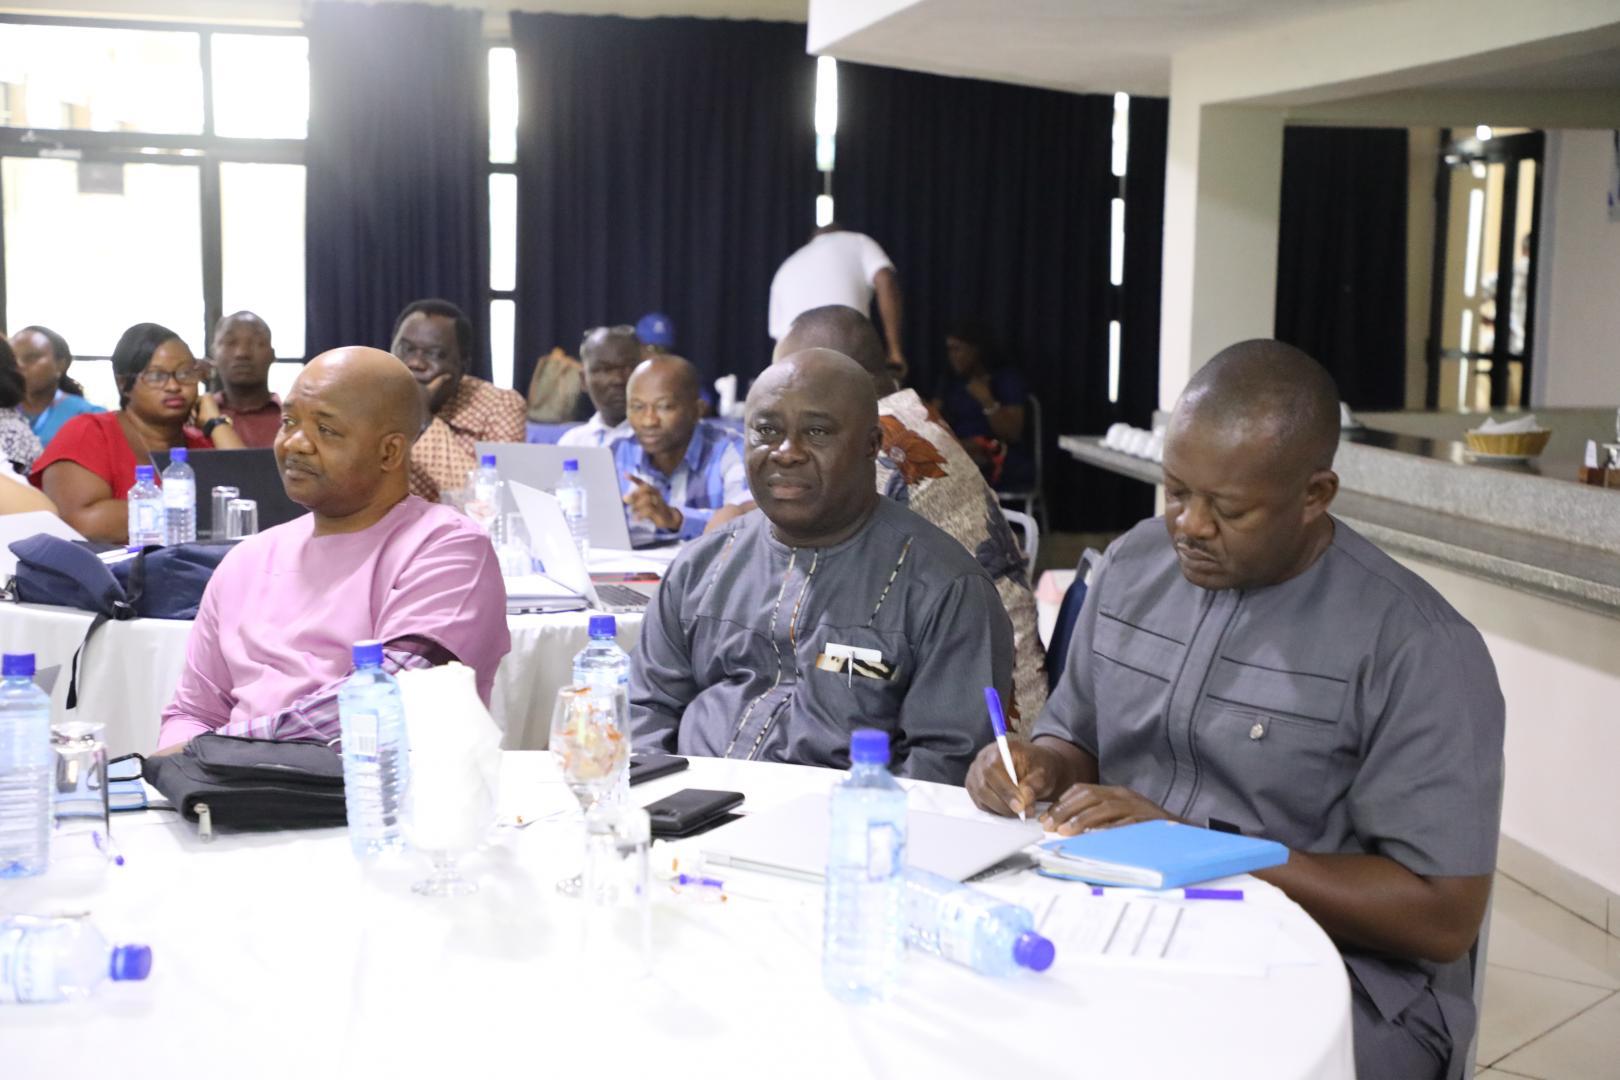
pixel 1579 280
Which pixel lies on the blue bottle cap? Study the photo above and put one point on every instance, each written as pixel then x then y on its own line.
pixel 1033 951
pixel 178 454
pixel 488 461
pixel 145 474
pixel 368 654
pixel 869 746
pixel 571 465
pixel 20 664
pixel 603 626
pixel 130 963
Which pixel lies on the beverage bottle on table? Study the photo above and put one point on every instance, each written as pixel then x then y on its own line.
pixel 484 494
pixel 863 935
pixel 25 769
pixel 45 960
pixel 148 522
pixel 605 667
pixel 376 768
pixel 973 928
pixel 179 499
pixel 571 496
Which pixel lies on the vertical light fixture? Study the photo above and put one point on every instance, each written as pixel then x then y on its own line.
pixel 826 117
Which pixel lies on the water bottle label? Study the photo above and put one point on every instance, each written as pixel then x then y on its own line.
pixel 952 910
pixel 178 494
pixel 146 518
pixel 360 738
pixel 885 845
pixel 27 966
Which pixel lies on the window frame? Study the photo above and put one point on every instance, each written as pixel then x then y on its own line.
pixel 204 151
pixel 492 294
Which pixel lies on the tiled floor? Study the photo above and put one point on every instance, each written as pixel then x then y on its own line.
pixel 1552 993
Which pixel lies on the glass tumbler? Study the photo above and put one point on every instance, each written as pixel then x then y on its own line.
pixel 241 519
pixel 80 838
pixel 223 494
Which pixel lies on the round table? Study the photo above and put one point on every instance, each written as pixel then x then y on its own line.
pixel 128 673
pixel 278 955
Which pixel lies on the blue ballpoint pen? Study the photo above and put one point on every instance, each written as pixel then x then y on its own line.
pixel 1169 894
pixel 998 724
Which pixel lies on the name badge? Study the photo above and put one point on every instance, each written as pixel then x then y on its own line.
pixel 851 660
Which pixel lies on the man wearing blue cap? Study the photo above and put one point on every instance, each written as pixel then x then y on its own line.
pixel 656 332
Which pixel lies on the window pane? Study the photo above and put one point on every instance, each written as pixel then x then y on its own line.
pixel 261 211
pixel 502 341
pixel 261 86
pixel 98 79
pixel 502 231
pixel 503 106
pixel 126 237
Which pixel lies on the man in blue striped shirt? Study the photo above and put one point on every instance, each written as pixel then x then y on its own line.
pixel 679 469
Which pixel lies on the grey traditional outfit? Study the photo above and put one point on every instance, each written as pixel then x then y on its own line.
pixel 1349 709
pixel 754 649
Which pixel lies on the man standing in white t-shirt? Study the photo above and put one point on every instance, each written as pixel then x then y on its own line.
pixel 842 267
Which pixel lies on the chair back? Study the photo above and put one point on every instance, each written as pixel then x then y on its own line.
pixel 1030 540
pixel 1057 649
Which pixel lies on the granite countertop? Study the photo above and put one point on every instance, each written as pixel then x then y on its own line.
pixel 1557 540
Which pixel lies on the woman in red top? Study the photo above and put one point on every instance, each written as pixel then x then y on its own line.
pixel 90 466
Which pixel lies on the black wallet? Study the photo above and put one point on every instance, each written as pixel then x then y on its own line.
pixel 252 783
pixel 690 811
pixel 644 767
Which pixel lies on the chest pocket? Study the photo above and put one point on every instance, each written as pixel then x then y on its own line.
pixel 856 689
pixel 1289 696
pixel 1136 650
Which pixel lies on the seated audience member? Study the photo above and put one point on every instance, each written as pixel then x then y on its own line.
pixel 832 608
pixel 242 355
pixel 656 332
pixel 1252 663
pixel 922 467
pixel 19 447
pixel 435 340
pixel 273 636
pixel 53 398
pixel 610 354
pixel 983 401
pixel 678 469
pixel 90 466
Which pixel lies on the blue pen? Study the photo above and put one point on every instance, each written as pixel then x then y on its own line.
pixel 1169 894
pixel 694 879
pixel 105 845
pixel 998 724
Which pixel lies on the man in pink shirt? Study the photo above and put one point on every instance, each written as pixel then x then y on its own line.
pixel 273 635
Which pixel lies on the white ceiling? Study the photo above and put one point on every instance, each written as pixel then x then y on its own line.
pixel 1594 71
pixel 292 11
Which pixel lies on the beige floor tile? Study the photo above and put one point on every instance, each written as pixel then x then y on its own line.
pixel 1531 933
pixel 1521 1006
pixel 1585 1048
pixel 1497 1074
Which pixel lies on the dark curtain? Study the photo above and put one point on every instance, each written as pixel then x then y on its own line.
pixel 397 194
pixel 1341 257
pixel 992 201
pixel 663 165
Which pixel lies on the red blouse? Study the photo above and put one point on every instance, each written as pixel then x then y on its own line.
pixel 96 441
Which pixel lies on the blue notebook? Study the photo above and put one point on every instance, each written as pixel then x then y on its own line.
pixel 1158 855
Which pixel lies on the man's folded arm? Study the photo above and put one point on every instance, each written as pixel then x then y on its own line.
pixel 661 680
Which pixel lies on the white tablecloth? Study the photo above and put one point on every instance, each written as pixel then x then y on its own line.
pixel 128 673
pixel 276 956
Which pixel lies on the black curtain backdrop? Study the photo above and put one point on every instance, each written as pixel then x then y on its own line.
pixel 663 165
pixel 1341 257
pixel 992 201
pixel 397 197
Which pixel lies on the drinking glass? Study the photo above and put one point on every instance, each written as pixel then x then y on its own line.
pixel 223 494
pixel 241 518
pixel 590 736
pixel 617 931
pixel 512 547
pixel 79 833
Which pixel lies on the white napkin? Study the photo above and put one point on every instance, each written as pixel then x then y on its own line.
pixel 726 387
pixel 455 758
pixel 1521 426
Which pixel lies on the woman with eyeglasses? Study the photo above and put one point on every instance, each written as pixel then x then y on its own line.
pixel 89 467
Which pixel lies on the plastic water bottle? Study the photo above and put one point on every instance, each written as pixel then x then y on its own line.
pixel 180 499
pixel 961 923
pixel 147 514
pixel 605 667
pixel 571 496
pixel 484 503
pixel 25 769
pixel 376 768
pixel 863 935
pixel 62 959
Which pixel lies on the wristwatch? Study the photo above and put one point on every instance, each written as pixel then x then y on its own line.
pixel 208 428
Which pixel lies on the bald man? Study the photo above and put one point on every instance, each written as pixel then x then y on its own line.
pixel 679 469
pixel 370 561
pixel 833 608
pixel 923 467
pixel 1253 664
pixel 242 354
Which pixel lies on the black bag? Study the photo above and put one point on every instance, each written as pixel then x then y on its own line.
pixel 252 783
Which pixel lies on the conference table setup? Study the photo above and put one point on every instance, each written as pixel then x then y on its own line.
pixel 276 952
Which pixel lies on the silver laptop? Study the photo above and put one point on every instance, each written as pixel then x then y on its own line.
pixel 565 573
pixel 540 466
pixel 792 840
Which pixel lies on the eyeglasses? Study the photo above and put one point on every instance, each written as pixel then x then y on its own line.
pixel 196 373
pixel 409 350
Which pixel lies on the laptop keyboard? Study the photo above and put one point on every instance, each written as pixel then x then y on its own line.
pixel 621 596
